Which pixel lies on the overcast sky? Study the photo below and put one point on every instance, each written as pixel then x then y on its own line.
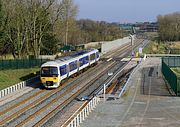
pixel 125 11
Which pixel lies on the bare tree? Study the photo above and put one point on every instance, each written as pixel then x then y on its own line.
pixel 68 14
pixel 169 27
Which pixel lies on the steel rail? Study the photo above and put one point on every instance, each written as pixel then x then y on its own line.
pixel 25 100
pixel 38 93
pixel 49 115
pixel 35 102
pixel 69 120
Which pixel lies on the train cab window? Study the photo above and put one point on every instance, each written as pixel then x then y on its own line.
pixel 97 55
pixel 73 65
pixel 92 56
pixel 83 61
pixel 49 72
pixel 63 70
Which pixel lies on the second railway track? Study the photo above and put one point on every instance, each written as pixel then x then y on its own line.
pixel 36 108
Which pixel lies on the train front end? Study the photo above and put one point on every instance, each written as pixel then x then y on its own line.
pixel 50 76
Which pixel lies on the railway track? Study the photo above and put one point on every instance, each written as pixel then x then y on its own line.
pixel 44 95
pixel 72 97
pixel 75 109
pixel 32 111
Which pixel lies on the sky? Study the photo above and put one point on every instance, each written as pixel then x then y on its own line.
pixel 125 11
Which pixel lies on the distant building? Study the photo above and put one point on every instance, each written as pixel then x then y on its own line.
pixel 126 27
pixel 141 27
pixel 147 26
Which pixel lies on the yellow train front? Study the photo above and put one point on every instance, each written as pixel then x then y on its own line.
pixel 53 72
pixel 50 77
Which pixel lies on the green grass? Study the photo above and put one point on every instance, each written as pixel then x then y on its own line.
pixel 7 57
pixel 151 34
pixel 12 77
pixel 176 71
pixel 155 48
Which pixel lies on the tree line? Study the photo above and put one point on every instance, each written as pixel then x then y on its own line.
pixel 100 30
pixel 169 27
pixel 35 27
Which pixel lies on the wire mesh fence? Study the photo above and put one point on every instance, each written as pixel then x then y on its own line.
pixel 172 61
pixel 21 63
pixel 170 76
pixel 175 51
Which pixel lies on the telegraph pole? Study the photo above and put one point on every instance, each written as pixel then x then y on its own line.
pixel 132 43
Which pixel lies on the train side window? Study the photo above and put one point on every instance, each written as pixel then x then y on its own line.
pixel 73 65
pixel 63 70
pixel 92 56
pixel 97 55
pixel 86 60
pixel 81 62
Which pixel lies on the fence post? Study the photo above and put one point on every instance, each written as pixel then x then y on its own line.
pixel 87 107
pixel 78 120
pixel 9 90
pixel 40 62
pixel 23 63
pixel 75 122
pixel 168 61
pixel 2 64
pixel 83 117
pixel 1 94
pixel 80 117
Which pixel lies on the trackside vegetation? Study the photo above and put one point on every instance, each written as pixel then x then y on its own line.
pixel 11 77
pixel 43 27
pixel 155 47
pixel 176 71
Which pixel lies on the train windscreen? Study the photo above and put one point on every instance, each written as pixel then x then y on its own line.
pixel 49 72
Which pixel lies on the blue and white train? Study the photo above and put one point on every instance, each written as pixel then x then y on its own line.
pixel 53 72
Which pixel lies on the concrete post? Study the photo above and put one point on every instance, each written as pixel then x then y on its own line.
pixel 87 110
pixel 75 122
pixel 83 115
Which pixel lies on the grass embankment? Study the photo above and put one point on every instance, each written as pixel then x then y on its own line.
pixel 176 71
pixel 175 45
pixel 12 77
pixel 152 35
pixel 156 48
pixel 7 57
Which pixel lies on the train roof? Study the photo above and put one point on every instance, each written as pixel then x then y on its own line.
pixel 66 59
pixel 76 55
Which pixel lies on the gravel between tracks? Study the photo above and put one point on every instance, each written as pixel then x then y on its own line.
pixel 37 106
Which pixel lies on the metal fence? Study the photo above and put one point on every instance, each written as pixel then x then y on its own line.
pixel 21 63
pixel 172 61
pixel 79 116
pixel 175 51
pixel 170 76
pixel 21 85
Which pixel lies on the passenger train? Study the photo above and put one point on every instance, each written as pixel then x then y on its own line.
pixel 53 72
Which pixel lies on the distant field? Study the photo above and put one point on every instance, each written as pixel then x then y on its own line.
pixel 7 57
pixel 11 77
pixel 176 45
pixel 151 34
pixel 177 71
pixel 155 48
